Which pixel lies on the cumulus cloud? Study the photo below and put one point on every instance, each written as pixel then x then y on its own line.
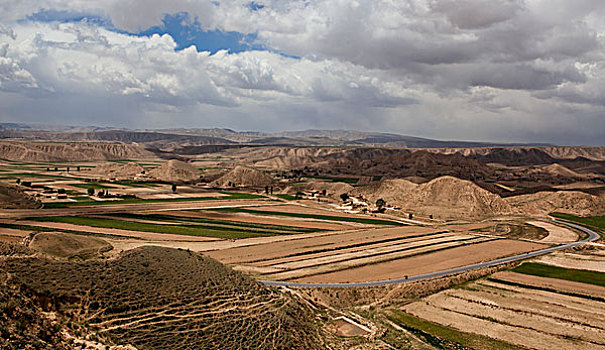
pixel 512 69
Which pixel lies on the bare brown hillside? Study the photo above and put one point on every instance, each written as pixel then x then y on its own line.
pixel 399 163
pixel 70 151
pixel 117 171
pixel 12 197
pixel 243 177
pixel 571 202
pixel 526 155
pixel 162 298
pixel 444 197
pixel 175 171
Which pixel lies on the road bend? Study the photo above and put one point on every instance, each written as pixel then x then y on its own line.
pixel 592 236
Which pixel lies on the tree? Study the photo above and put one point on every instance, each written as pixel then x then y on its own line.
pixel 410 216
pixel 299 195
pixel 61 191
pixel 67 169
pixel 91 191
pixel 101 194
pixel 344 197
pixel 380 203
pixel 173 188
pixel 78 168
pixel 47 169
pixel 266 189
pixel 18 181
pixel 324 192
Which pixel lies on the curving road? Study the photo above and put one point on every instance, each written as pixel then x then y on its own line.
pixel 592 236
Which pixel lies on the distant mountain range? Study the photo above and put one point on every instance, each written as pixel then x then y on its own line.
pixel 175 138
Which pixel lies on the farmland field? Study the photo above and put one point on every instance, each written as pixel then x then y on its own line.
pixel 522 309
pixel 315 216
pixel 594 221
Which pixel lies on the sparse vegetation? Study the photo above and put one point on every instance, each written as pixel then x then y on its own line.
pixel 161 298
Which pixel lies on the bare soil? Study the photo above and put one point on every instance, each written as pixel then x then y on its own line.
pixel 437 261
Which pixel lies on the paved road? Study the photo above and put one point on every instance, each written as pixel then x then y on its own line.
pixel 592 236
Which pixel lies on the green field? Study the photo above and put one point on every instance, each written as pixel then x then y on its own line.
pixel 286 197
pixel 207 230
pixel 594 221
pixel 443 337
pixel 224 223
pixel 313 216
pixel 138 201
pixel 584 276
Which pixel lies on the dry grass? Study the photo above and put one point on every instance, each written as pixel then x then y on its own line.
pixel 160 298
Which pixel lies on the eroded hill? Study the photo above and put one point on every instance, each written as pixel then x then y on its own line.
pixel 162 298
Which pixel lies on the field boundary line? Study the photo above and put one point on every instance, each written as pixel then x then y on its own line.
pixel 592 236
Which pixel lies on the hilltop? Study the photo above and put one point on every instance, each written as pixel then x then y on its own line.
pixel 243 177
pixel 175 171
pixel 443 197
pixel 160 298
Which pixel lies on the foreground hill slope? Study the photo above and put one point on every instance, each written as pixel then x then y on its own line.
pixel 162 298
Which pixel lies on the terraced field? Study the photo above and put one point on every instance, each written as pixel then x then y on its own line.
pixel 166 224
pixel 369 254
pixel 524 309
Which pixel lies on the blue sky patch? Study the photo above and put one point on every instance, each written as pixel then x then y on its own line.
pixel 186 33
pixel 180 27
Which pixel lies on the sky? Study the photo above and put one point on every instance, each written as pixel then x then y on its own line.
pixel 481 70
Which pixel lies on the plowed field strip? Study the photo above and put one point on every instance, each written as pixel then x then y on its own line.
pixel 551 284
pixel 524 320
pixel 524 337
pixel 316 242
pixel 520 302
pixel 345 249
pixel 576 303
pixel 427 263
pixel 369 252
pixel 256 219
pixel 366 260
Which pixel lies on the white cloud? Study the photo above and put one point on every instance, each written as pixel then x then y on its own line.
pixel 511 69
